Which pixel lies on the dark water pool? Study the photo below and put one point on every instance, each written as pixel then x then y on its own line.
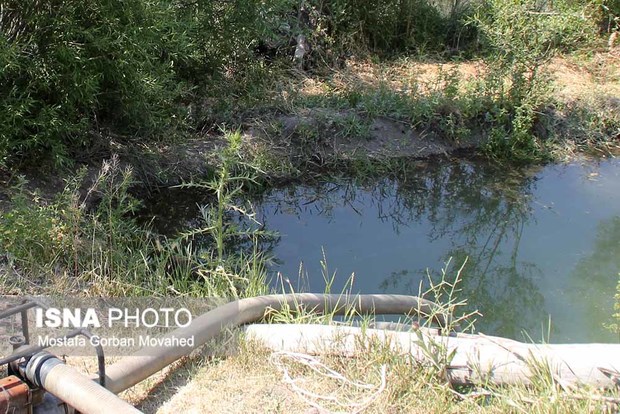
pixel 542 246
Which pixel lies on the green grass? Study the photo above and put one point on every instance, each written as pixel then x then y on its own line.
pixel 90 243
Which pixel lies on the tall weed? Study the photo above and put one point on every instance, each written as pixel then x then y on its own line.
pixel 89 241
pixel 520 37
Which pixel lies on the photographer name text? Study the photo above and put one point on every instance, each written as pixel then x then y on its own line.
pixel 116 341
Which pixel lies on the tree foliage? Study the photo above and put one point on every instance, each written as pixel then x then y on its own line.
pixel 71 66
pixel 74 72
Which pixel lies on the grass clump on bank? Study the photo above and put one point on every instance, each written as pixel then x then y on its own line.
pixel 614 325
pixel 87 241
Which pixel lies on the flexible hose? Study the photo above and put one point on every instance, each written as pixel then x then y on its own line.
pixel 137 367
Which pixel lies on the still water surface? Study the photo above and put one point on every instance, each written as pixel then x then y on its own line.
pixel 542 246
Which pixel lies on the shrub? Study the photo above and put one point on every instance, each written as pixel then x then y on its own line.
pixel 520 37
pixel 70 66
pixel 390 26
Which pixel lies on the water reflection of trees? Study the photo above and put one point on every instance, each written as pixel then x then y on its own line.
pixel 480 209
pixel 593 281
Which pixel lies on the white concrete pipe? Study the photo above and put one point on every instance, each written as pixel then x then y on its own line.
pixel 474 359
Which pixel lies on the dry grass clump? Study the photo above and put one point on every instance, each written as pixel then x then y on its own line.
pixel 250 382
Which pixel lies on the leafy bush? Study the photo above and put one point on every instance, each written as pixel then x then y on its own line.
pixel 520 37
pixel 71 66
pixel 127 67
pixel 518 30
pixel 387 27
pixel 390 26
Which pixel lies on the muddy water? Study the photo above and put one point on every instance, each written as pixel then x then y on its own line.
pixel 541 248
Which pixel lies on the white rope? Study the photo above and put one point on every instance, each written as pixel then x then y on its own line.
pixel 351 406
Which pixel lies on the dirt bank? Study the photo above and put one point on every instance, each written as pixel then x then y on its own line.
pixel 310 123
